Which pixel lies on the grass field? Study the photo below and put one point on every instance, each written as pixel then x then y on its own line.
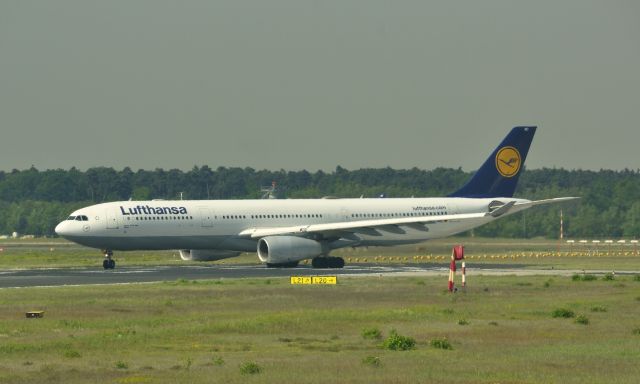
pixel 501 330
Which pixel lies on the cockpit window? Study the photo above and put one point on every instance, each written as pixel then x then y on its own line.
pixel 71 218
pixel 79 218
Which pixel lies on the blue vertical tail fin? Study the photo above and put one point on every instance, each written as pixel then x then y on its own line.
pixel 498 176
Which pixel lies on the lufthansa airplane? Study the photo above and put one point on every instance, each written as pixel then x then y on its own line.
pixel 284 232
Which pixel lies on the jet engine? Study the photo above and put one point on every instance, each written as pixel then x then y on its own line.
pixel 206 254
pixel 283 250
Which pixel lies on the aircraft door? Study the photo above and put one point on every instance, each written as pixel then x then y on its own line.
pixel 206 215
pixel 112 218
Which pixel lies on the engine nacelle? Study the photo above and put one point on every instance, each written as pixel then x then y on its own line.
pixel 206 254
pixel 287 249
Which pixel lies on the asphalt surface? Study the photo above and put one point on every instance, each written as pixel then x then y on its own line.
pixel 146 274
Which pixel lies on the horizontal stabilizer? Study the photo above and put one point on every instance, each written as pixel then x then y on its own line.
pixel 545 201
pixel 514 206
pixel 502 210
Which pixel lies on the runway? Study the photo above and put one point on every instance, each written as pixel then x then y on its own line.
pixel 146 274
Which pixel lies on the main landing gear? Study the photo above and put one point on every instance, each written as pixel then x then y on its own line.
pixel 327 262
pixel 108 262
pixel 291 264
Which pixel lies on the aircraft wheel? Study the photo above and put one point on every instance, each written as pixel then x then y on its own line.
pixel 112 264
pixel 336 262
pixel 327 262
pixel 291 264
pixel 105 264
pixel 320 262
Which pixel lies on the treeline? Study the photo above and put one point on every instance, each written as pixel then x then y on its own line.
pixel 33 201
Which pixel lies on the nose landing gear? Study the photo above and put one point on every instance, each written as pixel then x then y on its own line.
pixel 108 262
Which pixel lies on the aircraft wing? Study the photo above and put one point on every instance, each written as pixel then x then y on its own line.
pixel 393 225
pixel 369 227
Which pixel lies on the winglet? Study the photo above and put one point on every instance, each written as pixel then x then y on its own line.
pixel 498 176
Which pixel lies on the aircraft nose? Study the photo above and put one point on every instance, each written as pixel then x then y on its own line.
pixel 62 228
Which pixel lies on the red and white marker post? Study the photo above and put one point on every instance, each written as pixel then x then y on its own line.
pixel 464 275
pixel 456 254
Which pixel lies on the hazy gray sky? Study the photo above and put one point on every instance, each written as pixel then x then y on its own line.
pixel 314 84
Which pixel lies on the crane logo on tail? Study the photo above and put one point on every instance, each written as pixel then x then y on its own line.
pixel 508 161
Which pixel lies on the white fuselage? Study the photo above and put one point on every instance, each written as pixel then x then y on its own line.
pixel 219 224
